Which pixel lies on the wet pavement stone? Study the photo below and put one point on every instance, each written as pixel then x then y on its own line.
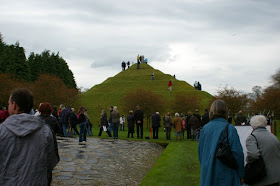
pixel 104 161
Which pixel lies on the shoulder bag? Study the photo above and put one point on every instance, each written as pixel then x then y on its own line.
pixel 255 171
pixel 224 153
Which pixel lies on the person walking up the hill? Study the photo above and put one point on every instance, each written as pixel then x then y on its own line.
pixel 115 121
pixel 170 85
pixel 138 115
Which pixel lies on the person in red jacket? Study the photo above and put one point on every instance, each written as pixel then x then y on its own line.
pixel 170 85
pixel 4 114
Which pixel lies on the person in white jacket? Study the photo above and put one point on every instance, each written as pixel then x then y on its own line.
pixel 122 122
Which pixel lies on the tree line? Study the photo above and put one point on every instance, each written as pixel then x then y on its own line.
pixel 260 101
pixel 47 75
pixel 14 62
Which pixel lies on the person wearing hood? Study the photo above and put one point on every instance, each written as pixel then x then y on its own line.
pixel 27 144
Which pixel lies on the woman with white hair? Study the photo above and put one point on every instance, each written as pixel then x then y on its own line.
pixel 178 126
pixel 264 143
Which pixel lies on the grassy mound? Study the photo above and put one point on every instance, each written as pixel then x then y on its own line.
pixel 112 90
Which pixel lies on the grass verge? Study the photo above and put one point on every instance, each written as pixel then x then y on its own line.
pixel 178 165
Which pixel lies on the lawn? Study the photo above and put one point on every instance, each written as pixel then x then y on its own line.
pixel 178 165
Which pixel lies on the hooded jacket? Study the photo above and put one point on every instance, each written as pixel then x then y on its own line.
pixel 27 151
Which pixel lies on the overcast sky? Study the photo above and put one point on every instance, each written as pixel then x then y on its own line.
pixel 217 42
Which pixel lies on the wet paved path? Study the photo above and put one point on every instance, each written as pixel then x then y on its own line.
pixel 104 161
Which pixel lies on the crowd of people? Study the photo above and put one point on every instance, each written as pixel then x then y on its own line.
pixel 140 59
pixel 38 150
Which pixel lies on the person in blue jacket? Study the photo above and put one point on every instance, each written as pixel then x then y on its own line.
pixel 213 171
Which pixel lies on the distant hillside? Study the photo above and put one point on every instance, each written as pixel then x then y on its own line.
pixel 112 90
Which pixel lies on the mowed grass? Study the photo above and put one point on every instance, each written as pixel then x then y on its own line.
pixel 178 165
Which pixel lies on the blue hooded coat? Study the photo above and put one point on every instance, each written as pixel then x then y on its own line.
pixel 213 171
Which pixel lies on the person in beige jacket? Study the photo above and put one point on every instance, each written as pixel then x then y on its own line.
pixel 178 126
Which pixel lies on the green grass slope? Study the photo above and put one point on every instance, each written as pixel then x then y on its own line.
pixel 112 90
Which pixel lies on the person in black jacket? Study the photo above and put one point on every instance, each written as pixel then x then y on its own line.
pixel 54 112
pixel 188 127
pixel 74 121
pixel 104 124
pixel 138 115
pixel 196 114
pixel 45 109
pixel 155 124
pixel 130 123
pixel 82 120
pixel 205 118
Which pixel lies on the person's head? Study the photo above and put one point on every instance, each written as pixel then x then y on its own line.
pixel 157 113
pixel 54 107
pixel 218 109
pixel 130 112
pixel 61 106
pixel 196 111
pixel 115 108
pixel 111 108
pixel 21 101
pixel 258 121
pixel 45 109
pixel 103 112
pixel 189 113
pixel 72 109
pixel 177 114
pixel 82 110
pixel 206 110
pixel 138 107
pixel 168 113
